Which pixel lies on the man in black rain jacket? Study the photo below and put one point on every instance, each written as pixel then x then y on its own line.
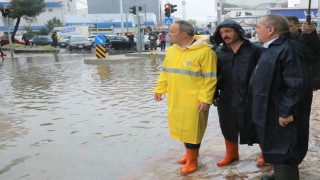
pixel 276 90
pixel 307 35
pixel 237 59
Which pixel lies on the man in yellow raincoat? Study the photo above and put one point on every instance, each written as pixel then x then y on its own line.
pixel 189 78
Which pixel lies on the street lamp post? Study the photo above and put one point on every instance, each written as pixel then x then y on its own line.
pixel 318 18
pixel 121 14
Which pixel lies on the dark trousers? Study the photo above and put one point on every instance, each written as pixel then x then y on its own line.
pixel 163 45
pixel 286 172
pixel 192 146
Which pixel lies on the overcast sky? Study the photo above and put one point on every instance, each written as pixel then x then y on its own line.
pixel 201 10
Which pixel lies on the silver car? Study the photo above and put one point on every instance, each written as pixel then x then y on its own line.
pixel 79 42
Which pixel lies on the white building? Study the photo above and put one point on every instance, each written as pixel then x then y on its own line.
pixel 54 8
pixel 305 4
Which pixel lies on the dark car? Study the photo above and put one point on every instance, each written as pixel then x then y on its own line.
pixel 41 40
pixel 118 42
pixel 122 43
pixel 64 42
pixel 79 42
pixel 5 40
pixel 91 39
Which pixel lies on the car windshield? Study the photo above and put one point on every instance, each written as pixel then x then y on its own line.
pixel 65 37
pixel 77 39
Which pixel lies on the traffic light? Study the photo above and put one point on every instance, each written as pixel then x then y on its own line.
pixel 172 8
pixel 5 12
pixel 167 10
pixel 133 10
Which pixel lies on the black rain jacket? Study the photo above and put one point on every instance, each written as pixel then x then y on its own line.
pixel 313 43
pixel 234 71
pixel 277 89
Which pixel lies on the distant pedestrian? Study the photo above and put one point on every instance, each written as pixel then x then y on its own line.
pixel 131 39
pixel 307 35
pixel 26 38
pixel 54 38
pixel 153 42
pixel 162 38
pixel 2 54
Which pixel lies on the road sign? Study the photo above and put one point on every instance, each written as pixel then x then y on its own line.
pixel 101 51
pixel 100 40
pixel 168 21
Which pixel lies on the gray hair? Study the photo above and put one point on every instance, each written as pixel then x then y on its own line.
pixel 185 26
pixel 279 22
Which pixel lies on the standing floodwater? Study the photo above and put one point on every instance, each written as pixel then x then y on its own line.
pixel 61 119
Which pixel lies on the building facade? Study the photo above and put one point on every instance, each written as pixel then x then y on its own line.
pixel 54 8
pixel 113 7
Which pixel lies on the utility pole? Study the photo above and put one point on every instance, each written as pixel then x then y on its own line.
pixel 184 10
pixel 121 13
pixel 5 13
pixel 127 16
pixel 139 38
pixel 9 37
pixel 318 18
pixel 145 15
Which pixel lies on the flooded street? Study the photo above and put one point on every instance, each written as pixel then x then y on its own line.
pixel 61 119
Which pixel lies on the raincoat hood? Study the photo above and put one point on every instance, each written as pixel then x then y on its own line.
pixel 228 23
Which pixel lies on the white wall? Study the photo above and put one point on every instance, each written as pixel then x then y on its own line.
pixel 68 8
pixel 305 4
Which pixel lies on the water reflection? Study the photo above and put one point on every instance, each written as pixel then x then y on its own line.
pixel 57 109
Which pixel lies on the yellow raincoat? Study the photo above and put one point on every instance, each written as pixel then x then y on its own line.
pixel 188 76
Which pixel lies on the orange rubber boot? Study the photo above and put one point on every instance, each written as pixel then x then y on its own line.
pixel 183 159
pixel 231 154
pixel 192 161
pixel 261 161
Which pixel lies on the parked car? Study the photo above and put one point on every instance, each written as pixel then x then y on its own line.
pixel 64 41
pixel 118 42
pixel 5 40
pixel 79 42
pixel 122 42
pixel 91 39
pixel 41 40
pixel 146 42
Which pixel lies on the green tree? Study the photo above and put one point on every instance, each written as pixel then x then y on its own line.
pixel 43 31
pixel 28 29
pixel 24 8
pixel 54 22
pixel 192 21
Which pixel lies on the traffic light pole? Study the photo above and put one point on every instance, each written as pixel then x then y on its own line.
pixel 139 37
pixel 9 36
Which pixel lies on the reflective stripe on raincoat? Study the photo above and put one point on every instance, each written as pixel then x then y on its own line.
pixel 188 76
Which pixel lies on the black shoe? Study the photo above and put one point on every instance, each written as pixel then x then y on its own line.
pixel 268 177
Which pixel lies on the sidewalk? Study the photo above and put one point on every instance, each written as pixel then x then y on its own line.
pixel 159 55
pixel 33 49
pixel 165 167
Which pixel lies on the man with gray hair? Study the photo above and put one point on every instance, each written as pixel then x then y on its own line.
pixel 188 76
pixel 275 93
